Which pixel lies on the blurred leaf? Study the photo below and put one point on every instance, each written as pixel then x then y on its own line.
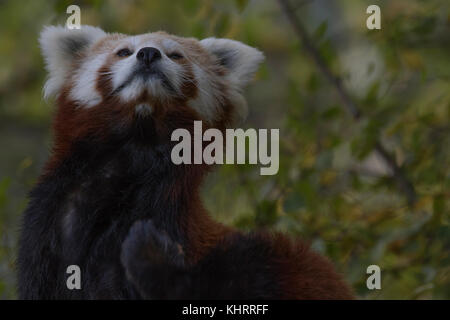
pixel 293 203
pixel 4 185
pixel 372 94
pixel 266 213
pixel 241 4
pixel 332 113
pixel 222 25
pixel 425 25
pixel 320 31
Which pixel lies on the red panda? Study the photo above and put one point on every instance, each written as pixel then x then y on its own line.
pixel 111 201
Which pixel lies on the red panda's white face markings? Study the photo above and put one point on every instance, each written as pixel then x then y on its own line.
pixel 149 64
pixel 94 68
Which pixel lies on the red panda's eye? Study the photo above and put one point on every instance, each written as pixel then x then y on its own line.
pixel 175 56
pixel 124 52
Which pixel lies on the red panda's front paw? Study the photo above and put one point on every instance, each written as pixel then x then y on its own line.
pixel 147 247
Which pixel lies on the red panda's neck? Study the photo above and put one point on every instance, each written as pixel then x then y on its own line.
pixel 133 160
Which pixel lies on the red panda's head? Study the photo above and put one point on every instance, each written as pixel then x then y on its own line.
pixel 103 79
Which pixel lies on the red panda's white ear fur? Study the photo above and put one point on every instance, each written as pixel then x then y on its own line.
pixel 241 62
pixel 61 47
pixel 239 59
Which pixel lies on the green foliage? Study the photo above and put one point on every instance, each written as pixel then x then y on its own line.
pixel 331 190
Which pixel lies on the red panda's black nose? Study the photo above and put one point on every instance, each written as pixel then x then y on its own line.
pixel 148 55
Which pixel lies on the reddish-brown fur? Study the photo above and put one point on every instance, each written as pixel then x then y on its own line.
pixel 302 274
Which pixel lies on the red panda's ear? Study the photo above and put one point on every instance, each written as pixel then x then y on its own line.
pixel 61 47
pixel 241 62
pixel 239 59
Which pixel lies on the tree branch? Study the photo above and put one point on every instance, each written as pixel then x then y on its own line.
pixel 348 103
